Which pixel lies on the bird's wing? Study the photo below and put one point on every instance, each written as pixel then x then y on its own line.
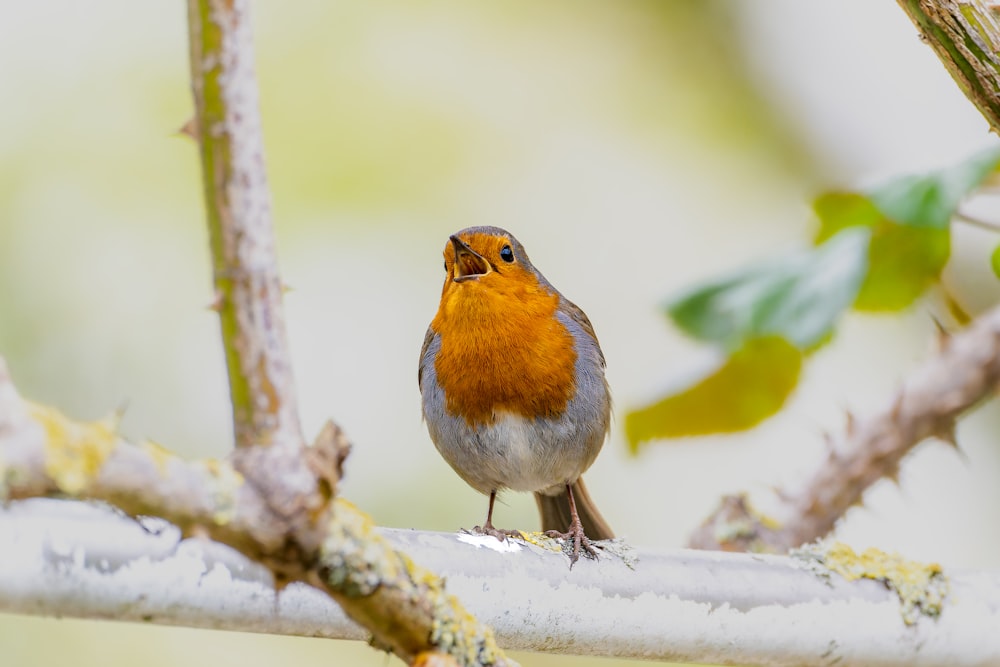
pixel 580 318
pixel 428 339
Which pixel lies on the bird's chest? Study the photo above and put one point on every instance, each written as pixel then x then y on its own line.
pixel 502 358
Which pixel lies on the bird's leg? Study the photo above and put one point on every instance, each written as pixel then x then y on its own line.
pixel 488 529
pixel 574 532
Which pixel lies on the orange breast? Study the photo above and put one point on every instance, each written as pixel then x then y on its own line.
pixel 503 350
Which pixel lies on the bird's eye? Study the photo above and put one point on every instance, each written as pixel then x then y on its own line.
pixel 445 265
pixel 506 254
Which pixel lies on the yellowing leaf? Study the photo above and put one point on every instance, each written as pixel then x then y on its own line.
pixel 749 387
pixel 838 210
pixel 903 260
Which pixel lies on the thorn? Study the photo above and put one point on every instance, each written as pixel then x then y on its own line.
pixel 782 495
pixel 897 407
pixel 286 288
pixel 216 302
pixel 893 476
pixel 851 422
pixel 189 129
pixel 943 335
pixel 946 434
pixel 828 444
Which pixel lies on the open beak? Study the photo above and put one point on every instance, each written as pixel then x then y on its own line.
pixel 468 263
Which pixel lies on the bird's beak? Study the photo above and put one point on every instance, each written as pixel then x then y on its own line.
pixel 468 263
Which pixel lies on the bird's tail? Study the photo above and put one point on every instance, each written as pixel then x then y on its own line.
pixel 556 515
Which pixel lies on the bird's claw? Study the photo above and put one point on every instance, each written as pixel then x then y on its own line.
pixel 581 543
pixel 500 533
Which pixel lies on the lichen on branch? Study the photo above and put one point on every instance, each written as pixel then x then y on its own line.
pixel 406 607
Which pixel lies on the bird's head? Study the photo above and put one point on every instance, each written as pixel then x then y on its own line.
pixel 488 258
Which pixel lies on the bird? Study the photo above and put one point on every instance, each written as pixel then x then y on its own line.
pixel 513 388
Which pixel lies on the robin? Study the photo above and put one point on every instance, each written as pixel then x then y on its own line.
pixel 512 381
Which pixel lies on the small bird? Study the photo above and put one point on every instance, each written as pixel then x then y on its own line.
pixel 512 384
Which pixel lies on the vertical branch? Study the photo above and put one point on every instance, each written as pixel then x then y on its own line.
pixel 248 289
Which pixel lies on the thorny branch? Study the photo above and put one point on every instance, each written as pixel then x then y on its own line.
pixel 964 371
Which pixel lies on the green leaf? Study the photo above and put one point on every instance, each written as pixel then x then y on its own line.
pixel 909 220
pixel 929 200
pixel 995 261
pixel 749 387
pixel 838 211
pixel 798 297
pixel 903 261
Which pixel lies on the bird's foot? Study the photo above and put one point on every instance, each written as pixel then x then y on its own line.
pixel 500 533
pixel 581 543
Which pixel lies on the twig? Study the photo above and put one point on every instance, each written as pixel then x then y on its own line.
pixel 976 222
pixel 964 371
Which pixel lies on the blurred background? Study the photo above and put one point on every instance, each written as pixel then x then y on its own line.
pixel 635 148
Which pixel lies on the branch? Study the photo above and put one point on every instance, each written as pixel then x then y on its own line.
pixel 965 371
pixel 248 288
pixel 961 216
pixel 80 560
pixel 965 35
pixel 405 606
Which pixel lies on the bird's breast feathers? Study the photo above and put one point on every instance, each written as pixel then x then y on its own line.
pixel 498 355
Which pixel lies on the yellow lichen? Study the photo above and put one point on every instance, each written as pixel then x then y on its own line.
pixel 356 561
pixel 160 455
pixel 541 540
pixel 768 522
pixel 457 632
pixel 354 554
pixel 921 587
pixel 227 481
pixel 74 451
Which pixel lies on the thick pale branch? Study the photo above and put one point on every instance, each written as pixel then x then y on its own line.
pixel 405 606
pixel 707 607
pixel 965 35
pixel 963 372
